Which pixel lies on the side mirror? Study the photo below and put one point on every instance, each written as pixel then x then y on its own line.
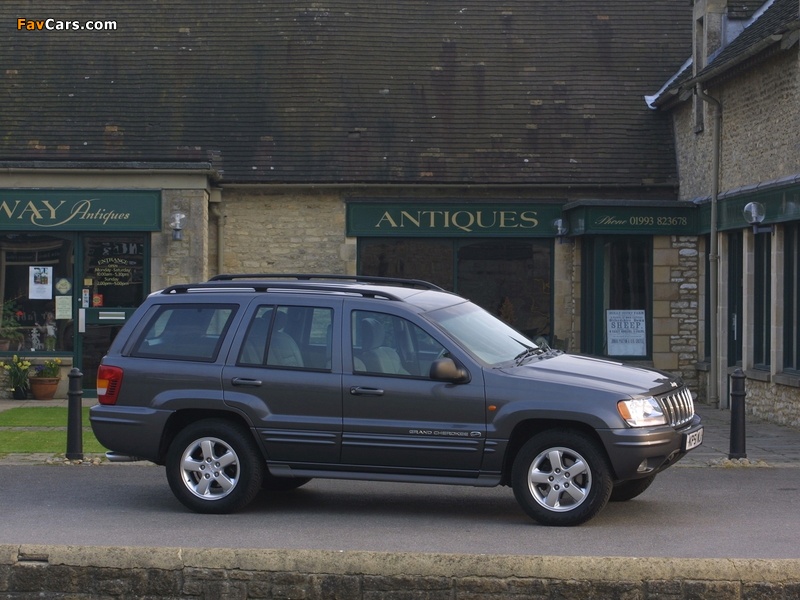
pixel 446 369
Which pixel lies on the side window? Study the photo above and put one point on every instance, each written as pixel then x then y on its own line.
pixel 389 345
pixel 254 347
pixel 296 337
pixel 185 332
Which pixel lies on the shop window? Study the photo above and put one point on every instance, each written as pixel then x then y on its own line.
pixel 791 308
pixel 429 260
pixel 508 278
pixel 36 289
pixel 707 329
pixel 617 296
pixel 762 301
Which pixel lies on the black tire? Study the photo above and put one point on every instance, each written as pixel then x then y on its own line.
pixel 282 484
pixel 628 490
pixel 214 467
pixel 546 484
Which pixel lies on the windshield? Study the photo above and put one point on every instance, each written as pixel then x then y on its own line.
pixel 484 336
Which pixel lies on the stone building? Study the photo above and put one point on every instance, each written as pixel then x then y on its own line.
pixel 736 117
pixel 501 150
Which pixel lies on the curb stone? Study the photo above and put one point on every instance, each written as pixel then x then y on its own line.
pixel 85 572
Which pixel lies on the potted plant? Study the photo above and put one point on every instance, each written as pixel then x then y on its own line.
pixel 9 325
pixel 18 370
pixel 44 379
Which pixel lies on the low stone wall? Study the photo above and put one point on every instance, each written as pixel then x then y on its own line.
pixel 28 571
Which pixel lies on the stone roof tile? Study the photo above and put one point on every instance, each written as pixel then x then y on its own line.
pixel 417 91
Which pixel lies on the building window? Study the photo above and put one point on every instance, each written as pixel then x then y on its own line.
pixel 508 278
pixel 699 61
pixel 762 301
pixel 707 329
pixel 735 297
pixel 791 310
pixel 35 272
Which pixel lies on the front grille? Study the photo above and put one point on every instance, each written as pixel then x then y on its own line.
pixel 677 406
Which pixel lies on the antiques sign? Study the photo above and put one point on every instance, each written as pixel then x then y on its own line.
pixel 80 210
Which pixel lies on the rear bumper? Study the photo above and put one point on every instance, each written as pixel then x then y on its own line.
pixel 640 452
pixel 129 430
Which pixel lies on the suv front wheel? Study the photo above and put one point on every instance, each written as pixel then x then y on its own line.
pixel 561 477
pixel 214 467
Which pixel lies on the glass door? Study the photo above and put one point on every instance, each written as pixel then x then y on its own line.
pixel 113 281
pixel 616 304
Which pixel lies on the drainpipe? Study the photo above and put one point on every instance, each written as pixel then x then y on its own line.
pixel 713 256
pixel 215 204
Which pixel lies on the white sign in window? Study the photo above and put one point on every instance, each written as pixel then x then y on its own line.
pixel 626 333
pixel 40 283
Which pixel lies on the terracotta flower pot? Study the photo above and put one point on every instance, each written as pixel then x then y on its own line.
pixel 44 388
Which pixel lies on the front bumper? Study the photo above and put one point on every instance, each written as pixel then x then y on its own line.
pixel 638 452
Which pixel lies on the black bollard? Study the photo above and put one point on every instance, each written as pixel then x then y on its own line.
pixel 75 416
pixel 737 415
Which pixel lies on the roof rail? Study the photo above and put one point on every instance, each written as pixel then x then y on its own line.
pixel 278 286
pixel 413 283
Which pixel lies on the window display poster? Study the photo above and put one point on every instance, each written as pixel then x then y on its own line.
pixel 626 333
pixel 40 283
pixel 63 307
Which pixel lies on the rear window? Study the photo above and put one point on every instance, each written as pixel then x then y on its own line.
pixel 185 332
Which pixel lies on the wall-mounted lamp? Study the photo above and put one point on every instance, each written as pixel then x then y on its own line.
pixel 561 229
pixel 177 221
pixel 754 214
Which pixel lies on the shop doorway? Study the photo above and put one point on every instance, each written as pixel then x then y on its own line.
pixel 113 280
pixel 617 289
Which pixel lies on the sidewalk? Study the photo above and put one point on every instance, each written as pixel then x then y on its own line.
pixel 766 444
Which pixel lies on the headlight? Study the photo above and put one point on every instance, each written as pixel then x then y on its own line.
pixel 641 412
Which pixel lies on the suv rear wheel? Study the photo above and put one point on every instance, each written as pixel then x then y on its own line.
pixel 214 467
pixel 561 477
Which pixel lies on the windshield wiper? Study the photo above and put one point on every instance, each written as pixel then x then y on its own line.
pixel 527 353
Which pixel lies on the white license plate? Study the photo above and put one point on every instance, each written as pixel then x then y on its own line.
pixel 693 440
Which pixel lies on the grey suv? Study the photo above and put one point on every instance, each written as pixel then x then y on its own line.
pixel 250 382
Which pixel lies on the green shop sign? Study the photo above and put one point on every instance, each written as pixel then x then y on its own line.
pixel 80 210
pixel 651 218
pixel 380 219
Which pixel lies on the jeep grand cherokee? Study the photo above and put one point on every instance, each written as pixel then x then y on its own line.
pixel 250 382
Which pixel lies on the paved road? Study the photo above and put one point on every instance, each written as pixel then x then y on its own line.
pixel 689 512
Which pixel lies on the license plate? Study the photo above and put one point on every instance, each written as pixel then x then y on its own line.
pixel 693 440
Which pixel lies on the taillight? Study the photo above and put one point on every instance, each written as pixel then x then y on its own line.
pixel 109 382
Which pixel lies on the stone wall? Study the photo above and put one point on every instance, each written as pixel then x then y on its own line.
pixel 566 304
pixel 94 572
pixel 760 130
pixel 285 233
pixel 185 260
pixel 773 402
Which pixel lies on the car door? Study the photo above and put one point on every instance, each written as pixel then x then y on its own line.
pixel 285 374
pixel 395 416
